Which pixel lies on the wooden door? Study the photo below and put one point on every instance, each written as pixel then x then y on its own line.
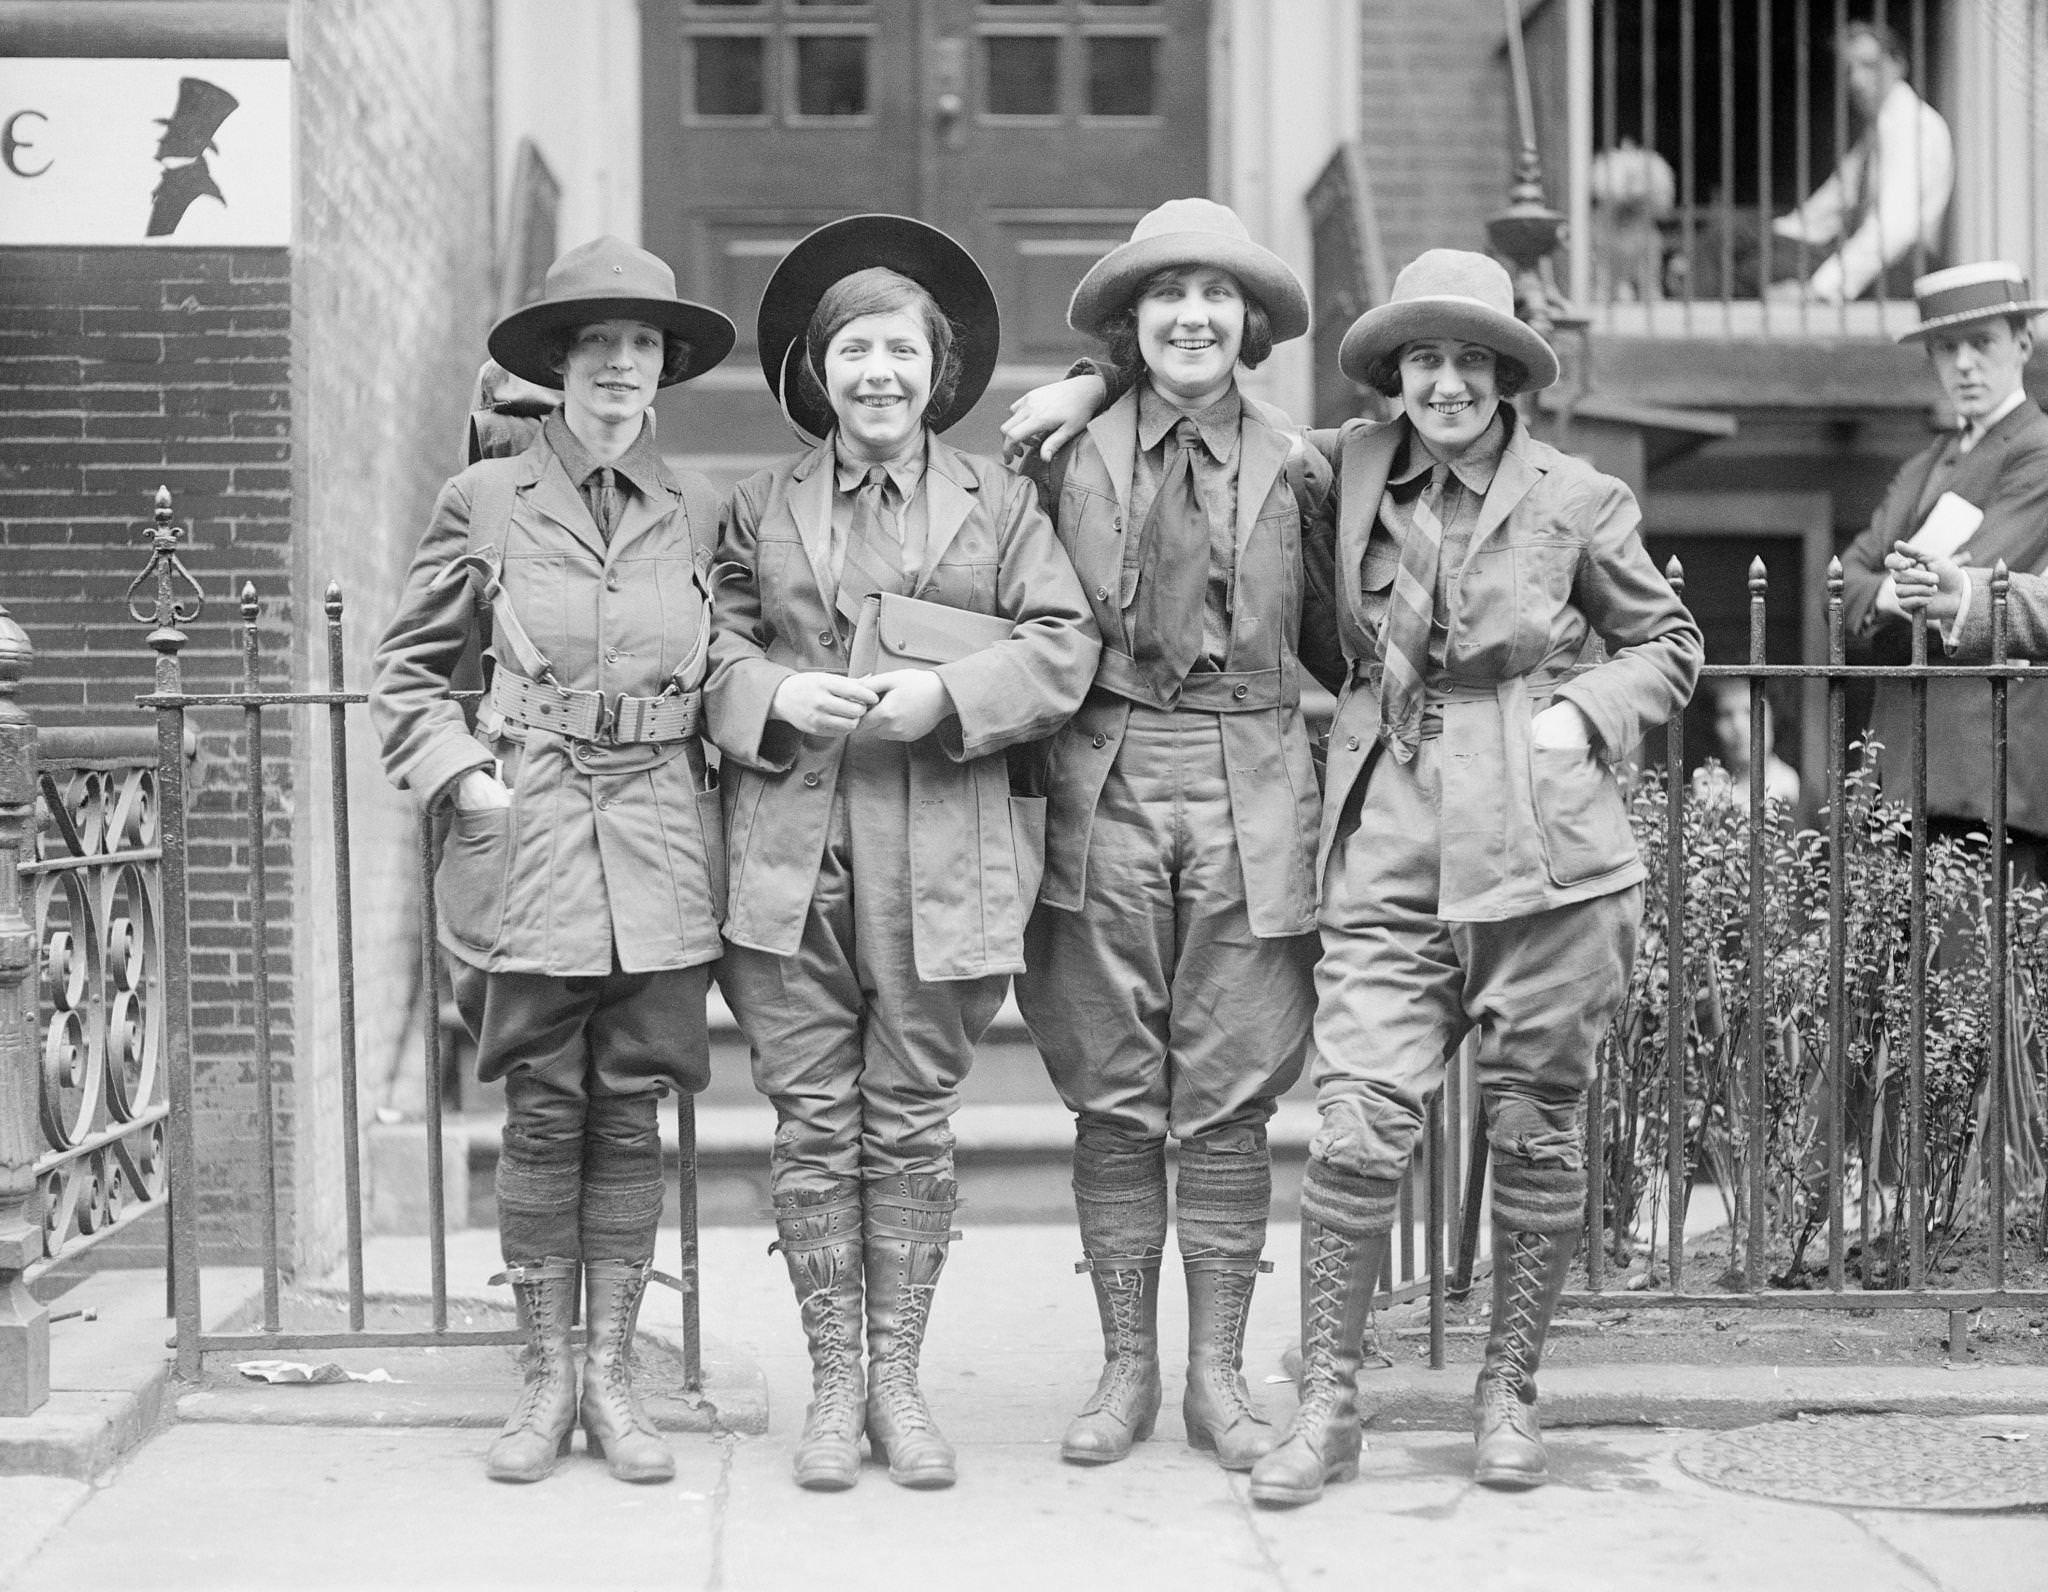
pixel 1036 131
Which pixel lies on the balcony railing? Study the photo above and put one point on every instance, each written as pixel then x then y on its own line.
pixel 1685 137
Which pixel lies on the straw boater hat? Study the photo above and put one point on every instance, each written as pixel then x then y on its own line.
pixel 607 280
pixel 1447 293
pixel 1962 293
pixel 838 249
pixel 1183 233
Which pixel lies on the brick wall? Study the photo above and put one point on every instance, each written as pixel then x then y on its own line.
pixel 391 294
pixel 304 407
pixel 1434 121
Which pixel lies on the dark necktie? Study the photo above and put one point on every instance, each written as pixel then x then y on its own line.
pixel 874 552
pixel 1409 610
pixel 1173 572
pixel 601 490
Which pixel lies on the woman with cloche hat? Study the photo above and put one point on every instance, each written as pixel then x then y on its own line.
pixel 1477 865
pixel 882 864
pixel 581 885
pixel 1169 969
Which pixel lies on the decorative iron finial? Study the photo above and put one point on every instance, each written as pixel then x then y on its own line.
pixel 172 608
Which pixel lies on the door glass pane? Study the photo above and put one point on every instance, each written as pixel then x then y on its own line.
pixel 831 76
pixel 1023 75
pixel 1123 76
pixel 831 2
pixel 706 5
pixel 729 75
pixel 1107 3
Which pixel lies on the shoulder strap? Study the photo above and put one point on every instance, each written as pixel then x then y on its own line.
pixel 490 505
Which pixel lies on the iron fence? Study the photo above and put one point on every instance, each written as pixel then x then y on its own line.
pixel 175 605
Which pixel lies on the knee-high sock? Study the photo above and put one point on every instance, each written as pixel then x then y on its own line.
pixel 621 1193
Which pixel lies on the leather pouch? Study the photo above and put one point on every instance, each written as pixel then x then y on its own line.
pixel 907 633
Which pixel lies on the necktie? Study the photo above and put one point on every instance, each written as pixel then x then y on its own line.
pixel 1408 615
pixel 1173 572
pixel 873 550
pixel 604 505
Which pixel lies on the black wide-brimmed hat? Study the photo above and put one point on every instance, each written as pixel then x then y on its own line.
pixel 608 279
pixel 838 249
pixel 1985 290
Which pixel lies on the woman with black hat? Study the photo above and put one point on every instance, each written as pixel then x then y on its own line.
pixel 1170 980
pixel 882 868
pixel 582 882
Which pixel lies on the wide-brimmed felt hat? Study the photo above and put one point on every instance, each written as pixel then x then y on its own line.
pixel 1986 290
pixel 608 279
pixel 1447 293
pixel 1183 233
pixel 911 248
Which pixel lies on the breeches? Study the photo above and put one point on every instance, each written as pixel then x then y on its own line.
pixel 1156 1008
pixel 1398 990
pixel 862 1059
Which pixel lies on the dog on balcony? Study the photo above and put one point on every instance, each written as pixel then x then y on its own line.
pixel 1632 189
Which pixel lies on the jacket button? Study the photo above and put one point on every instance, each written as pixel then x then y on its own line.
pixel 1351 745
pixel 1102 594
pixel 611 583
pixel 611 655
pixel 1099 742
pixel 811 779
pixel 1241 692
pixel 827 640
pixel 1117 526
pixel 605 805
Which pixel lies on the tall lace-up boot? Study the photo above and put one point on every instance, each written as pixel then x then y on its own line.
pixel 1345 1226
pixel 820 1239
pixel 1221 1196
pixel 614 1424
pixel 1120 1200
pixel 538 1433
pixel 908 1225
pixel 1537 1212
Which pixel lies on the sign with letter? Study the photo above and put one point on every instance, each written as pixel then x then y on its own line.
pixel 130 151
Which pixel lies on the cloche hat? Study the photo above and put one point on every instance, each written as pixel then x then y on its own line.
pixel 604 280
pixel 1183 233
pixel 911 248
pixel 1447 293
pixel 1963 293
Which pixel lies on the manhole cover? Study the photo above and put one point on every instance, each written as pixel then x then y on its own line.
pixel 1879 1462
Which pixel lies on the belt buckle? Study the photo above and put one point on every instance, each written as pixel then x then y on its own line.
pixel 607 732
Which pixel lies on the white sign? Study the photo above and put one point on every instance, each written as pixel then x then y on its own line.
pixel 124 151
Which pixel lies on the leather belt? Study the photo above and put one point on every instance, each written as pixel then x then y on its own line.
pixel 592 716
pixel 1204 690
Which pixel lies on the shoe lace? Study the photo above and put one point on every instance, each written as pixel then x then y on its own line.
pixel 1328 1263
pixel 1233 1306
pixel 835 1367
pixel 895 1369
pixel 1516 1339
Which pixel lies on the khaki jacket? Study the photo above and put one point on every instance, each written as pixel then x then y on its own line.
pixel 601 850
pixel 1556 558
pixel 975 848
pixel 1273 795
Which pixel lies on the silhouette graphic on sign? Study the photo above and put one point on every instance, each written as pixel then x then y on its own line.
pixel 188 136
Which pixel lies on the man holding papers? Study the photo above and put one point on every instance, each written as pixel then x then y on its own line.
pixel 1975 496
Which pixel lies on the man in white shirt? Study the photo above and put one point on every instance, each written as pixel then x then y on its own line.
pixel 1891 190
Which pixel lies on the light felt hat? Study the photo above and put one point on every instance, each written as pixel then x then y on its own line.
pixel 608 279
pixel 931 259
pixel 1447 293
pixel 1183 233
pixel 1989 289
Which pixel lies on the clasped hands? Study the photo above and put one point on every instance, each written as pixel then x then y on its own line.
pixel 897 705
pixel 1920 583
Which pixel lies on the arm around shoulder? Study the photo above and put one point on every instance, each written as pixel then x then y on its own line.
pixel 741 686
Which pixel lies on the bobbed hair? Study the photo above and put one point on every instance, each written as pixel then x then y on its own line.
pixel 1383 375
pixel 675 353
pixel 1119 332
pixel 877 290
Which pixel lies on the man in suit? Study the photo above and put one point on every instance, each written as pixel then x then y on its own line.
pixel 1987 483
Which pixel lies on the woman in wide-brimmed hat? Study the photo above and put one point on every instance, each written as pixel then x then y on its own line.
pixel 1477 865
pixel 882 866
pixel 579 891
pixel 1169 981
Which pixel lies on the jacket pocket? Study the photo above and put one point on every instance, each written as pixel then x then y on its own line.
pixel 1027 838
pixel 1579 814
pixel 469 886
pixel 711 826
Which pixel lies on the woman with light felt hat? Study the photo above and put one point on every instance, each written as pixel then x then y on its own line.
pixel 580 889
pixel 1476 862
pixel 1168 979
pixel 882 864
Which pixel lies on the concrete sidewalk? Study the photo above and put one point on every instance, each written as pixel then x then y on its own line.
pixel 217 1502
